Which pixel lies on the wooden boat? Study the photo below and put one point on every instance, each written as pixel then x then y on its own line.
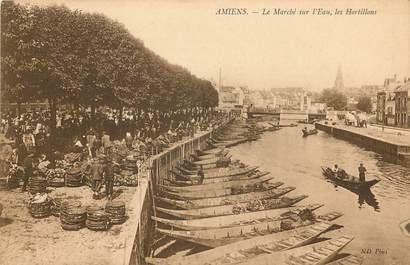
pixel 349 182
pixel 210 151
pixel 310 132
pixel 226 175
pixel 212 162
pixel 212 156
pixel 220 172
pixel 214 193
pixel 236 219
pixel 349 260
pixel 260 178
pixel 194 179
pixel 229 199
pixel 227 144
pixel 248 248
pixel 218 192
pixel 272 129
pixel 200 157
pixel 244 207
pixel 315 254
pixel 221 236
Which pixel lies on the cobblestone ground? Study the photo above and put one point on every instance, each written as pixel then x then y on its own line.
pixel 25 240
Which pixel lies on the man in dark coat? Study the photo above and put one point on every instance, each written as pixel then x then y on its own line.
pixel 28 170
pixel 97 171
pixel 109 178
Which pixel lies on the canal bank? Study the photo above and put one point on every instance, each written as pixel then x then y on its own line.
pixel 394 146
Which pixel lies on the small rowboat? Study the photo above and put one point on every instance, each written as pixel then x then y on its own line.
pixel 236 219
pixel 260 178
pixel 239 208
pixel 349 182
pixel 310 132
pixel 210 151
pixel 315 254
pixel 229 199
pixel 212 162
pixel 244 249
pixel 221 236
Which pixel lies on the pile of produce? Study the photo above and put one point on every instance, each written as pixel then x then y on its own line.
pixel 55 177
pixel 116 211
pixel 14 175
pixel 97 219
pixel 39 206
pixel 72 216
pixel 37 183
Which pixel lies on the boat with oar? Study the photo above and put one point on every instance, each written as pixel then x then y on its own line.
pixel 238 208
pixel 314 254
pixel 260 178
pixel 216 237
pixel 245 249
pixel 349 260
pixel 309 132
pixel 236 219
pixel 219 172
pixel 229 199
pixel 347 181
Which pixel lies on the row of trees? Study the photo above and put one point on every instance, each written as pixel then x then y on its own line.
pixel 338 100
pixel 62 56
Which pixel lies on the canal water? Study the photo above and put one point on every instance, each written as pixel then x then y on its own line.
pixel 373 218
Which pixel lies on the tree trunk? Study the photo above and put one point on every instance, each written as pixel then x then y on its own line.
pixel 18 108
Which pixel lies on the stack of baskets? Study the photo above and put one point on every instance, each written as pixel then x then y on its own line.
pixel 56 207
pixel 74 177
pixel 72 216
pixel 97 219
pixel 37 183
pixel 39 206
pixel 116 211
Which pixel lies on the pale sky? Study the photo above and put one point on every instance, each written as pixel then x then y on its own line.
pixel 270 51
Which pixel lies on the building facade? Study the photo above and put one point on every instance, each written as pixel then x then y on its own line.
pixel 402 113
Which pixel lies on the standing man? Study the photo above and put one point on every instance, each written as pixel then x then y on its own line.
pixel 362 173
pixel 28 170
pixel 97 171
pixel 109 178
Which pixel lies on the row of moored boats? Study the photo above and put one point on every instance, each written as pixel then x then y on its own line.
pixel 242 215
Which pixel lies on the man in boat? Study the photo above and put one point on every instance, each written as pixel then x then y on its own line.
pixel 336 171
pixel 201 175
pixel 305 130
pixel 362 173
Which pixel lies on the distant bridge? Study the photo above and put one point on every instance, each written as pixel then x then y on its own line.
pixel 285 114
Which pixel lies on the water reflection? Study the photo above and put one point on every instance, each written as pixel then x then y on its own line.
pixel 367 196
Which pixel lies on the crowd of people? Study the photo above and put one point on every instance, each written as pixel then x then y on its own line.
pixel 97 135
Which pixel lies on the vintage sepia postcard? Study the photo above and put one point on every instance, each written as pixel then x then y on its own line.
pixel 271 132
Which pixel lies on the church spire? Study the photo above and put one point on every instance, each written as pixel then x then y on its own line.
pixel 339 79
